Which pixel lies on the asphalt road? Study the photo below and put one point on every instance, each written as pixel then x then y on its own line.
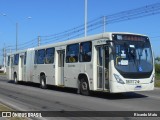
pixel 28 97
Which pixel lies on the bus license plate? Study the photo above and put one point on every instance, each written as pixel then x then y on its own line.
pixel 138 87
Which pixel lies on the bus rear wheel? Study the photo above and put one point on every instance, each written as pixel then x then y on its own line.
pixel 84 87
pixel 43 82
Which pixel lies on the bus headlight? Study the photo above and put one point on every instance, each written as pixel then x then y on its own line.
pixel 119 80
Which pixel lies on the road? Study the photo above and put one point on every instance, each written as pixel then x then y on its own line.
pixel 28 97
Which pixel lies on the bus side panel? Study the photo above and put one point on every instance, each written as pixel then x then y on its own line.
pixel 38 68
pixel 8 68
pixel 8 72
pixel 12 68
pixel 29 65
pixel 71 72
pixel 49 71
pixel 87 69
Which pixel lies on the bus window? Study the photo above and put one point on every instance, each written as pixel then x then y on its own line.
pixel 8 62
pixel 49 56
pixel 85 52
pixel 16 59
pixel 41 56
pixel 72 53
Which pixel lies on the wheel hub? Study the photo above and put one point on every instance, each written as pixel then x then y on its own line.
pixel 84 86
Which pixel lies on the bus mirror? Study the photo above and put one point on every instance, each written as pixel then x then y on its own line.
pixel 108 42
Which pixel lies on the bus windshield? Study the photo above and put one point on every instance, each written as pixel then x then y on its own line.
pixel 133 58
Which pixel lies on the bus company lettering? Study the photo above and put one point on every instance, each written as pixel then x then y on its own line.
pixel 101 41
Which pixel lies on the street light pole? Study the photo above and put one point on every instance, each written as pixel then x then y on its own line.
pixel 16 29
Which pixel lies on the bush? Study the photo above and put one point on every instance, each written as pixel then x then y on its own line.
pixel 157 68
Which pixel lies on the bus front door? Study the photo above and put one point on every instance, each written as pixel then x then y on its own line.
pixel 61 56
pixel 102 67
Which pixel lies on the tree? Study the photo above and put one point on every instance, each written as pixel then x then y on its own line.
pixel 157 58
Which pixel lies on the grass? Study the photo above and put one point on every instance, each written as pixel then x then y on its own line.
pixel 6 108
pixel 157 81
pixel 157 76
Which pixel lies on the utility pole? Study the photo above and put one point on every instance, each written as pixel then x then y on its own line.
pixel 39 40
pixel 104 24
pixel 16 36
pixel 16 29
pixel 85 19
pixel 4 59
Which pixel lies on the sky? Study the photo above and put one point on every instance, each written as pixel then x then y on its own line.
pixel 47 17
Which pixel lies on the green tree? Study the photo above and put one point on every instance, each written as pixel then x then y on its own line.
pixel 157 58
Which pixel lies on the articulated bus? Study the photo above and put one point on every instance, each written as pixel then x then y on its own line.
pixel 112 62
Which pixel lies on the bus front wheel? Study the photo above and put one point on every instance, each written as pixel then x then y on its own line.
pixel 84 87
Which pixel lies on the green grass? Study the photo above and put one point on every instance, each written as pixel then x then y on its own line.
pixel 5 108
pixel 157 80
pixel 157 76
pixel 157 83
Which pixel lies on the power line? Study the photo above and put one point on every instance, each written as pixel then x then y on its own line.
pixel 95 24
pixel 117 17
pixel 155 37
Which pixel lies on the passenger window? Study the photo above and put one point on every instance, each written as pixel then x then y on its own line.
pixel 16 59
pixel 49 56
pixel 41 56
pixel 85 52
pixel 72 53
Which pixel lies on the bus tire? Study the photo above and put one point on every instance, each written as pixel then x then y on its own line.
pixel 84 87
pixel 43 82
pixel 15 79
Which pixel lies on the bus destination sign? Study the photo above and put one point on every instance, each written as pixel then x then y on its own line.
pixel 129 37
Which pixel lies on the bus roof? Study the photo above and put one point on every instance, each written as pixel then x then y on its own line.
pixel 106 35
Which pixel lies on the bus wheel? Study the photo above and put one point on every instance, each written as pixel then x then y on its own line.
pixel 84 87
pixel 43 82
pixel 15 79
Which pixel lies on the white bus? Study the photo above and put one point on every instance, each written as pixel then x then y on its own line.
pixel 109 62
